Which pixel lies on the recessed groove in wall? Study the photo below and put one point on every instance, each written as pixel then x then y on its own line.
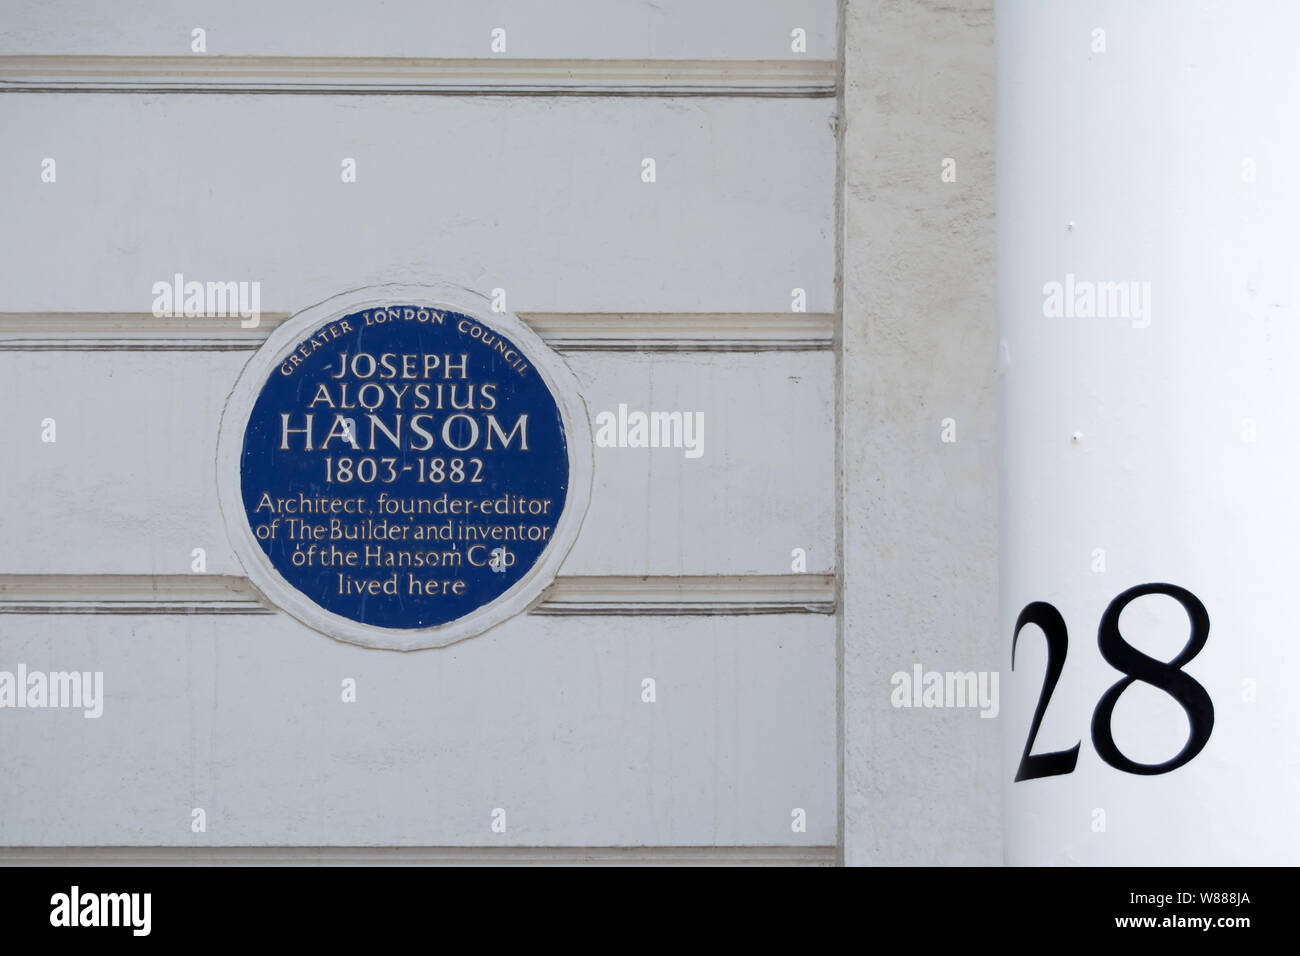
pixel 129 331
pixel 685 332
pixel 703 594
pixel 564 331
pixel 128 594
pixel 569 595
pixel 495 76
pixel 411 855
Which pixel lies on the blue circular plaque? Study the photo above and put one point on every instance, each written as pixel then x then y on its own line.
pixel 403 467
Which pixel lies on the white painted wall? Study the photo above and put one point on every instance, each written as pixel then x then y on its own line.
pixel 540 196
pixel 240 713
pixel 596 29
pixel 541 717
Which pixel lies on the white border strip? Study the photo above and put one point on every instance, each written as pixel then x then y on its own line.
pixel 736 594
pixel 495 76
pixel 563 331
pixel 419 855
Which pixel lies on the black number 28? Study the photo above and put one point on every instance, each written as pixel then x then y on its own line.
pixel 1167 676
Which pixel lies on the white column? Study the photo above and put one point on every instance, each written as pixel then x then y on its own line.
pixel 1148 254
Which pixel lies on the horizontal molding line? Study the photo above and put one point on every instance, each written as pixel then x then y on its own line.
pixel 563 331
pixel 407 856
pixel 684 331
pixel 610 595
pixel 499 76
pixel 694 594
pixel 129 594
